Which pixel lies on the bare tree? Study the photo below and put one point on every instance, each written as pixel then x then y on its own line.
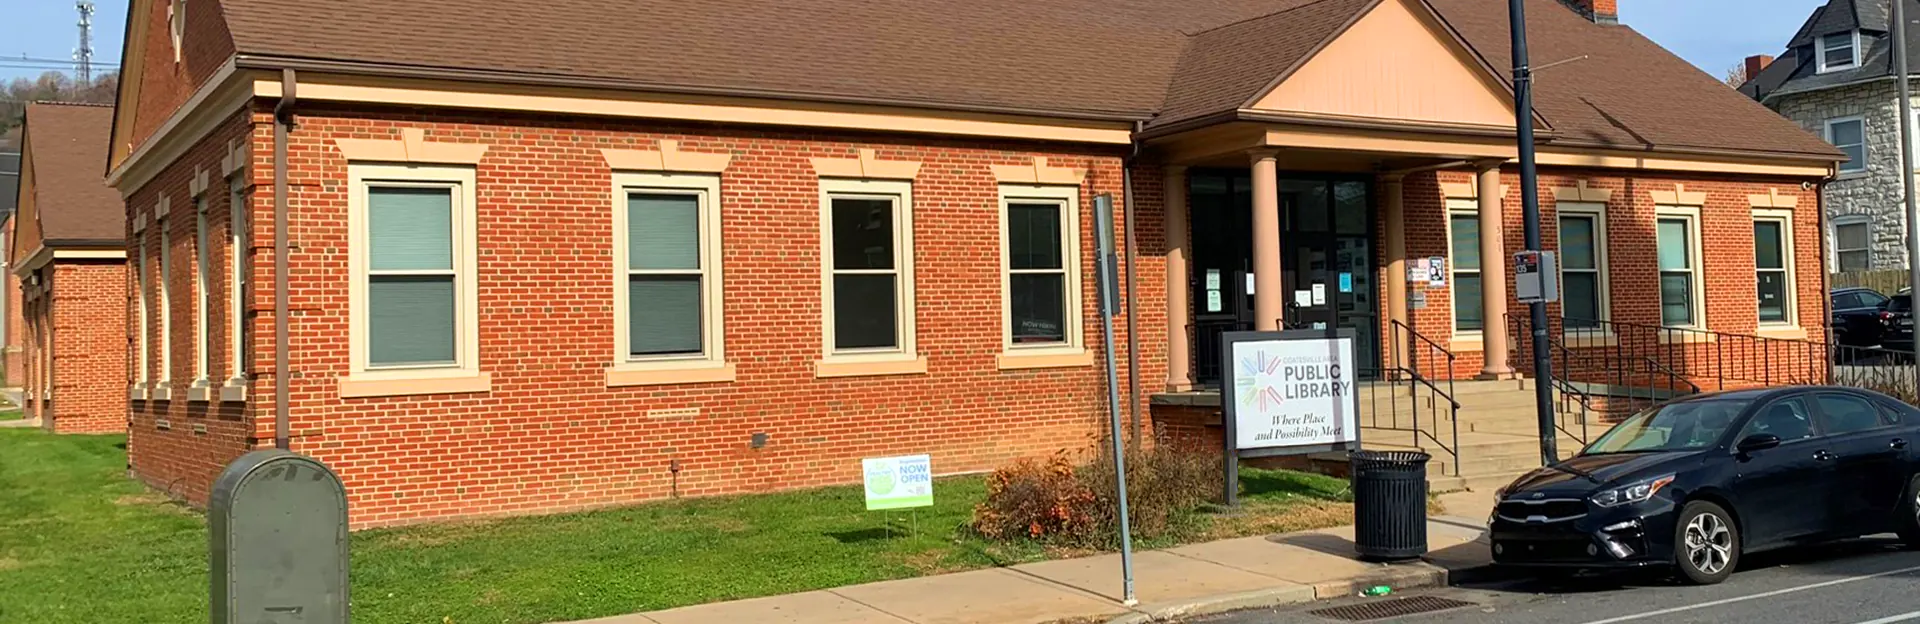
pixel 1736 75
pixel 52 86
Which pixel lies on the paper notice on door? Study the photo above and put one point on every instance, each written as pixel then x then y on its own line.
pixel 1213 301
pixel 1303 298
pixel 1249 283
pixel 1213 279
pixel 1319 294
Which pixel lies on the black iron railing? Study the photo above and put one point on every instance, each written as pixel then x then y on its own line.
pixel 1414 393
pixel 1606 368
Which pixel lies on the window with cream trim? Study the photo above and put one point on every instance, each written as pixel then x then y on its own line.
pixel 413 298
pixel 202 300
pixel 1583 264
pixel 1677 230
pixel 667 285
pixel 1040 264
pixel 1773 266
pixel 866 229
pixel 1463 230
pixel 236 288
pixel 144 282
pixel 165 376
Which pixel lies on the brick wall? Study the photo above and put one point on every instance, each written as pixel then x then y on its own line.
pixel 88 374
pixel 550 435
pixel 167 83
pixel 15 351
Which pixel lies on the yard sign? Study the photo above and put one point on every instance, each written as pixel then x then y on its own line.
pixel 898 482
pixel 1287 393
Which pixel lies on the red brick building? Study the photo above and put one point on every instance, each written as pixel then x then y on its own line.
pixel 67 256
pixel 717 249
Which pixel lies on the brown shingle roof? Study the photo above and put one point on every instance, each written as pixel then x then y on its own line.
pixel 67 145
pixel 1137 58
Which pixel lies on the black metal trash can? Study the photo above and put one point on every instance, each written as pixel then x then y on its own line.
pixel 1389 504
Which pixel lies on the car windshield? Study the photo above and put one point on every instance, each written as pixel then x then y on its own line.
pixel 1672 427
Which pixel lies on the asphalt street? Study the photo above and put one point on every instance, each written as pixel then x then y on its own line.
pixel 1870 581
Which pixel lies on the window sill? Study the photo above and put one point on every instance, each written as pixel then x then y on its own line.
pixel 1588 340
pixel 1687 335
pixel 1849 175
pixel 162 391
pixel 701 372
pixel 200 392
pixel 387 384
pixel 136 393
pixel 870 368
pixel 234 392
pixel 1015 360
pixel 1468 343
pixel 1784 332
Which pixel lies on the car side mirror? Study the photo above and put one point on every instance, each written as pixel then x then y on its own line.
pixel 1759 442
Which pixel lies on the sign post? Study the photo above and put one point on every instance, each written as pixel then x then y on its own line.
pixel 1107 262
pixel 1286 393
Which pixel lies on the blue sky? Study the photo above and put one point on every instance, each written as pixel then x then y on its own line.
pixel 1712 34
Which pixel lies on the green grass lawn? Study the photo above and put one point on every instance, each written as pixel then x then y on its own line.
pixel 12 414
pixel 79 542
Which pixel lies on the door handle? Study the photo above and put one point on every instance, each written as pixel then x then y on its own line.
pixel 1898 444
pixel 1824 456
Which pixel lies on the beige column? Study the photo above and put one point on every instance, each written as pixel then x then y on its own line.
pixel 1268 304
pixel 1179 351
pixel 1392 189
pixel 1493 274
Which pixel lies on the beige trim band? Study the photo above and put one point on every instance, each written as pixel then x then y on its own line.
pixel 39 258
pixel 1784 332
pixel 1020 361
pixel 866 167
pixel 1582 193
pixel 1679 196
pixel 1038 173
pixel 90 254
pixel 670 376
pixel 411 147
pixel 1773 199
pixel 667 158
pixel 352 388
pixel 828 368
pixel 1458 190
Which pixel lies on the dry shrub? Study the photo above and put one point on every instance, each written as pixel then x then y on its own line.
pixel 1063 503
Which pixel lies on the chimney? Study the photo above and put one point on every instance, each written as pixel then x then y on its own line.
pixel 1757 63
pixel 1600 11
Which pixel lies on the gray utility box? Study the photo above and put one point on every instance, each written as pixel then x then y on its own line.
pixel 278 529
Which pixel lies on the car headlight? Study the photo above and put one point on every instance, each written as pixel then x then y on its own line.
pixel 1636 493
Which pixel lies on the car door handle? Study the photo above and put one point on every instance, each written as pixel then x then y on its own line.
pixel 1898 444
pixel 1824 456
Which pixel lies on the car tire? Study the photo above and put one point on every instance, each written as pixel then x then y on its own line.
pixel 1706 544
pixel 1908 522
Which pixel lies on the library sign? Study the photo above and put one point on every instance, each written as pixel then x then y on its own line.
pixel 1288 393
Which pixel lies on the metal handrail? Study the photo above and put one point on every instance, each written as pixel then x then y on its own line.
pixel 1416 379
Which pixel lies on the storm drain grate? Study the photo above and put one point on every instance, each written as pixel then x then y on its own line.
pixel 1369 611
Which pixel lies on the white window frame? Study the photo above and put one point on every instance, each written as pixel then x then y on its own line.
pixel 901 193
pixel 1068 199
pixel 1463 207
pixel 705 187
pixel 144 380
pixel 1602 278
pixel 1785 219
pixel 202 305
pixel 1864 150
pixel 236 287
pixel 164 384
pixel 1696 260
pixel 466 347
pixel 1833 230
pixel 1821 48
pixel 177 26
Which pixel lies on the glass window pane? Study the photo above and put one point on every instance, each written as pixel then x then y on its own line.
pixel 1841 414
pixel 1306 205
pixel 1033 236
pixel 1580 298
pixel 863 312
pixel 1466 303
pixel 1466 242
pixel 1847 301
pixel 1852 236
pixel 1856 157
pixel 1848 133
pixel 1350 208
pixel 410 229
pixel 663 231
pixel 1767 245
pixel 1675 249
pixel 410 319
pixel 1772 286
pixel 1676 299
pixel 1576 243
pixel 1039 307
pixel 663 314
pixel 1854 260
pixel 1839 54
pixel 862 233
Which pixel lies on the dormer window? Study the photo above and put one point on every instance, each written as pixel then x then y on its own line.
pixel 1839 51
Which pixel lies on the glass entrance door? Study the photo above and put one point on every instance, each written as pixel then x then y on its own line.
pixel 1327 264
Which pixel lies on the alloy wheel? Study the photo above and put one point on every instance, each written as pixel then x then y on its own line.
pixel 1709 544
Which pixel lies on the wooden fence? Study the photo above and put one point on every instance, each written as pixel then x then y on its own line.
pixel 1887 282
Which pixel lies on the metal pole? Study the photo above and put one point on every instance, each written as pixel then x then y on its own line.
pixel 1906 147
pixel 1109 306
pixel 282 380
pixel 1530 204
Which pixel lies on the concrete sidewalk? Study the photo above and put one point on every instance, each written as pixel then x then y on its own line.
pixel 1189 580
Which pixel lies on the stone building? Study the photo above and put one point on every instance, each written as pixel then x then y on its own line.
pixel 1836 79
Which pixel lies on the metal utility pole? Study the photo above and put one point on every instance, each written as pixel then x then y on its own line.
pixel 1906 145
pixel 83 56
pixel 1530 203
pixel 1105 262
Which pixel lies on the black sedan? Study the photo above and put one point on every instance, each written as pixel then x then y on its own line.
pixel 1698 482
pixel 1859 316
